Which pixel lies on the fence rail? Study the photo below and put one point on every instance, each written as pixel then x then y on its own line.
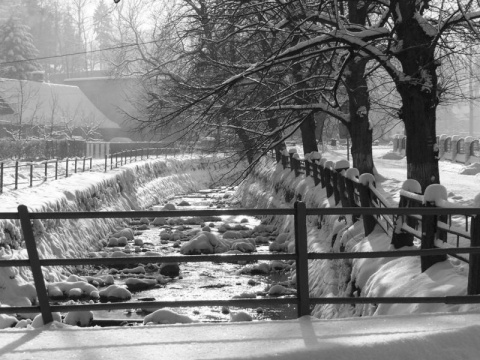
pixel 301 256
pixel 29 173
pixel 435 229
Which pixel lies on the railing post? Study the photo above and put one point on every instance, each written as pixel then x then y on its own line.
pixel 369 221
pixel 341 166
pixel 31 175
pixel 296 166
pixel 35 264
pixel 474 259
pixel 16 175
pixel 321 169
pixel 307 167
pixel 91 162
pixel 1 178
pixel 432 193
pixel 46 170
pixel 327 174
pixel 429 231
pixel 76 162
pixel 66 168
pixel 401 238
pixel 316 180
pixel 83 170
pixel 56 169
pixel 334 177
pixel 301 262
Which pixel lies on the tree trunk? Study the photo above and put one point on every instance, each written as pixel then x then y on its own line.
pixel 359 125
pixel 359 99
pixel 418 91
pixel 419 118
pixel 272 126
pixel 307 129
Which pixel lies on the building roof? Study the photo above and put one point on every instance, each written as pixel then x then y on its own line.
pixel 40 102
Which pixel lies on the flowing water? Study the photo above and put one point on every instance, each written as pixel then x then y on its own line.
pixel 202 280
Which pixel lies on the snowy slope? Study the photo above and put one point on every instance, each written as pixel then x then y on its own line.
pixel 131 187
pixel 271 185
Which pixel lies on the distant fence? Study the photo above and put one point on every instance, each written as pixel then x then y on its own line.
pixel 22 177
pixel 38 150
pixel 29 173
pixel 440 228
pixel 98 149
pixel 454 148
pixel 32 150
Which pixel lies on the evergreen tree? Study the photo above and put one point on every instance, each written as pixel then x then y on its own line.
pixel 16 46
pixel 102 26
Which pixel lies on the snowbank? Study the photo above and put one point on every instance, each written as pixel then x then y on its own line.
pixel 136 186
pixel 270 186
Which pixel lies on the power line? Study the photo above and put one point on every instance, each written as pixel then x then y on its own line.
pixel 77 53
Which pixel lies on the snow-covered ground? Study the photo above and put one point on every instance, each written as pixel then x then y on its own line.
pixel 404 331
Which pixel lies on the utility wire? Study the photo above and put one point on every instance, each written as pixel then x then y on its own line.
pixel 77 53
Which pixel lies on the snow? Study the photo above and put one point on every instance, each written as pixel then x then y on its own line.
pixel 427 28
pixel 405 331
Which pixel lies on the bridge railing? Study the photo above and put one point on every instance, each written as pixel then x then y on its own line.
pixel 303 301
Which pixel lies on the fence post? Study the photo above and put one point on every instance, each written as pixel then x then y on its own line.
pixel 400 238
pixel 316 180
pixel 31 175
pixel 369 221
pixel 56 169
pixel 307 167
pixel 46 170
pixel 341 167
pixel 76 162
pixel 322 171
pixel 284 161
pixel 35 264
pixel 351 176
pixel 1 178
pixel 429 225
pixel 16 175
pixel 91 162
pixel 301 262
pixel 66 168
pixel 474 259
pixel 83 170
pixel 327 174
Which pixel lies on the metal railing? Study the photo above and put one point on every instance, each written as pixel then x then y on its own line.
pixel 79 165
pixel 28 173
pixel 301 257
pixel 124 157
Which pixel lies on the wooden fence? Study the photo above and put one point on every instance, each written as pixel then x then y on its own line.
pixel 438 229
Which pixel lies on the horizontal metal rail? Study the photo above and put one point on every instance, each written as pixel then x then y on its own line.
pixel 255 212
pixel 302 300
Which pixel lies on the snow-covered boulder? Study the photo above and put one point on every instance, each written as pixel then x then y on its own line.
pixel 164 316
pixel 115 293
pixel 79 318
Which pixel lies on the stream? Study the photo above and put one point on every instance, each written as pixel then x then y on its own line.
pixel 199 280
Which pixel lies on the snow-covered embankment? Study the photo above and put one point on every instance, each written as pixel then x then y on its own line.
pixel 270 186
pixel 136 186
